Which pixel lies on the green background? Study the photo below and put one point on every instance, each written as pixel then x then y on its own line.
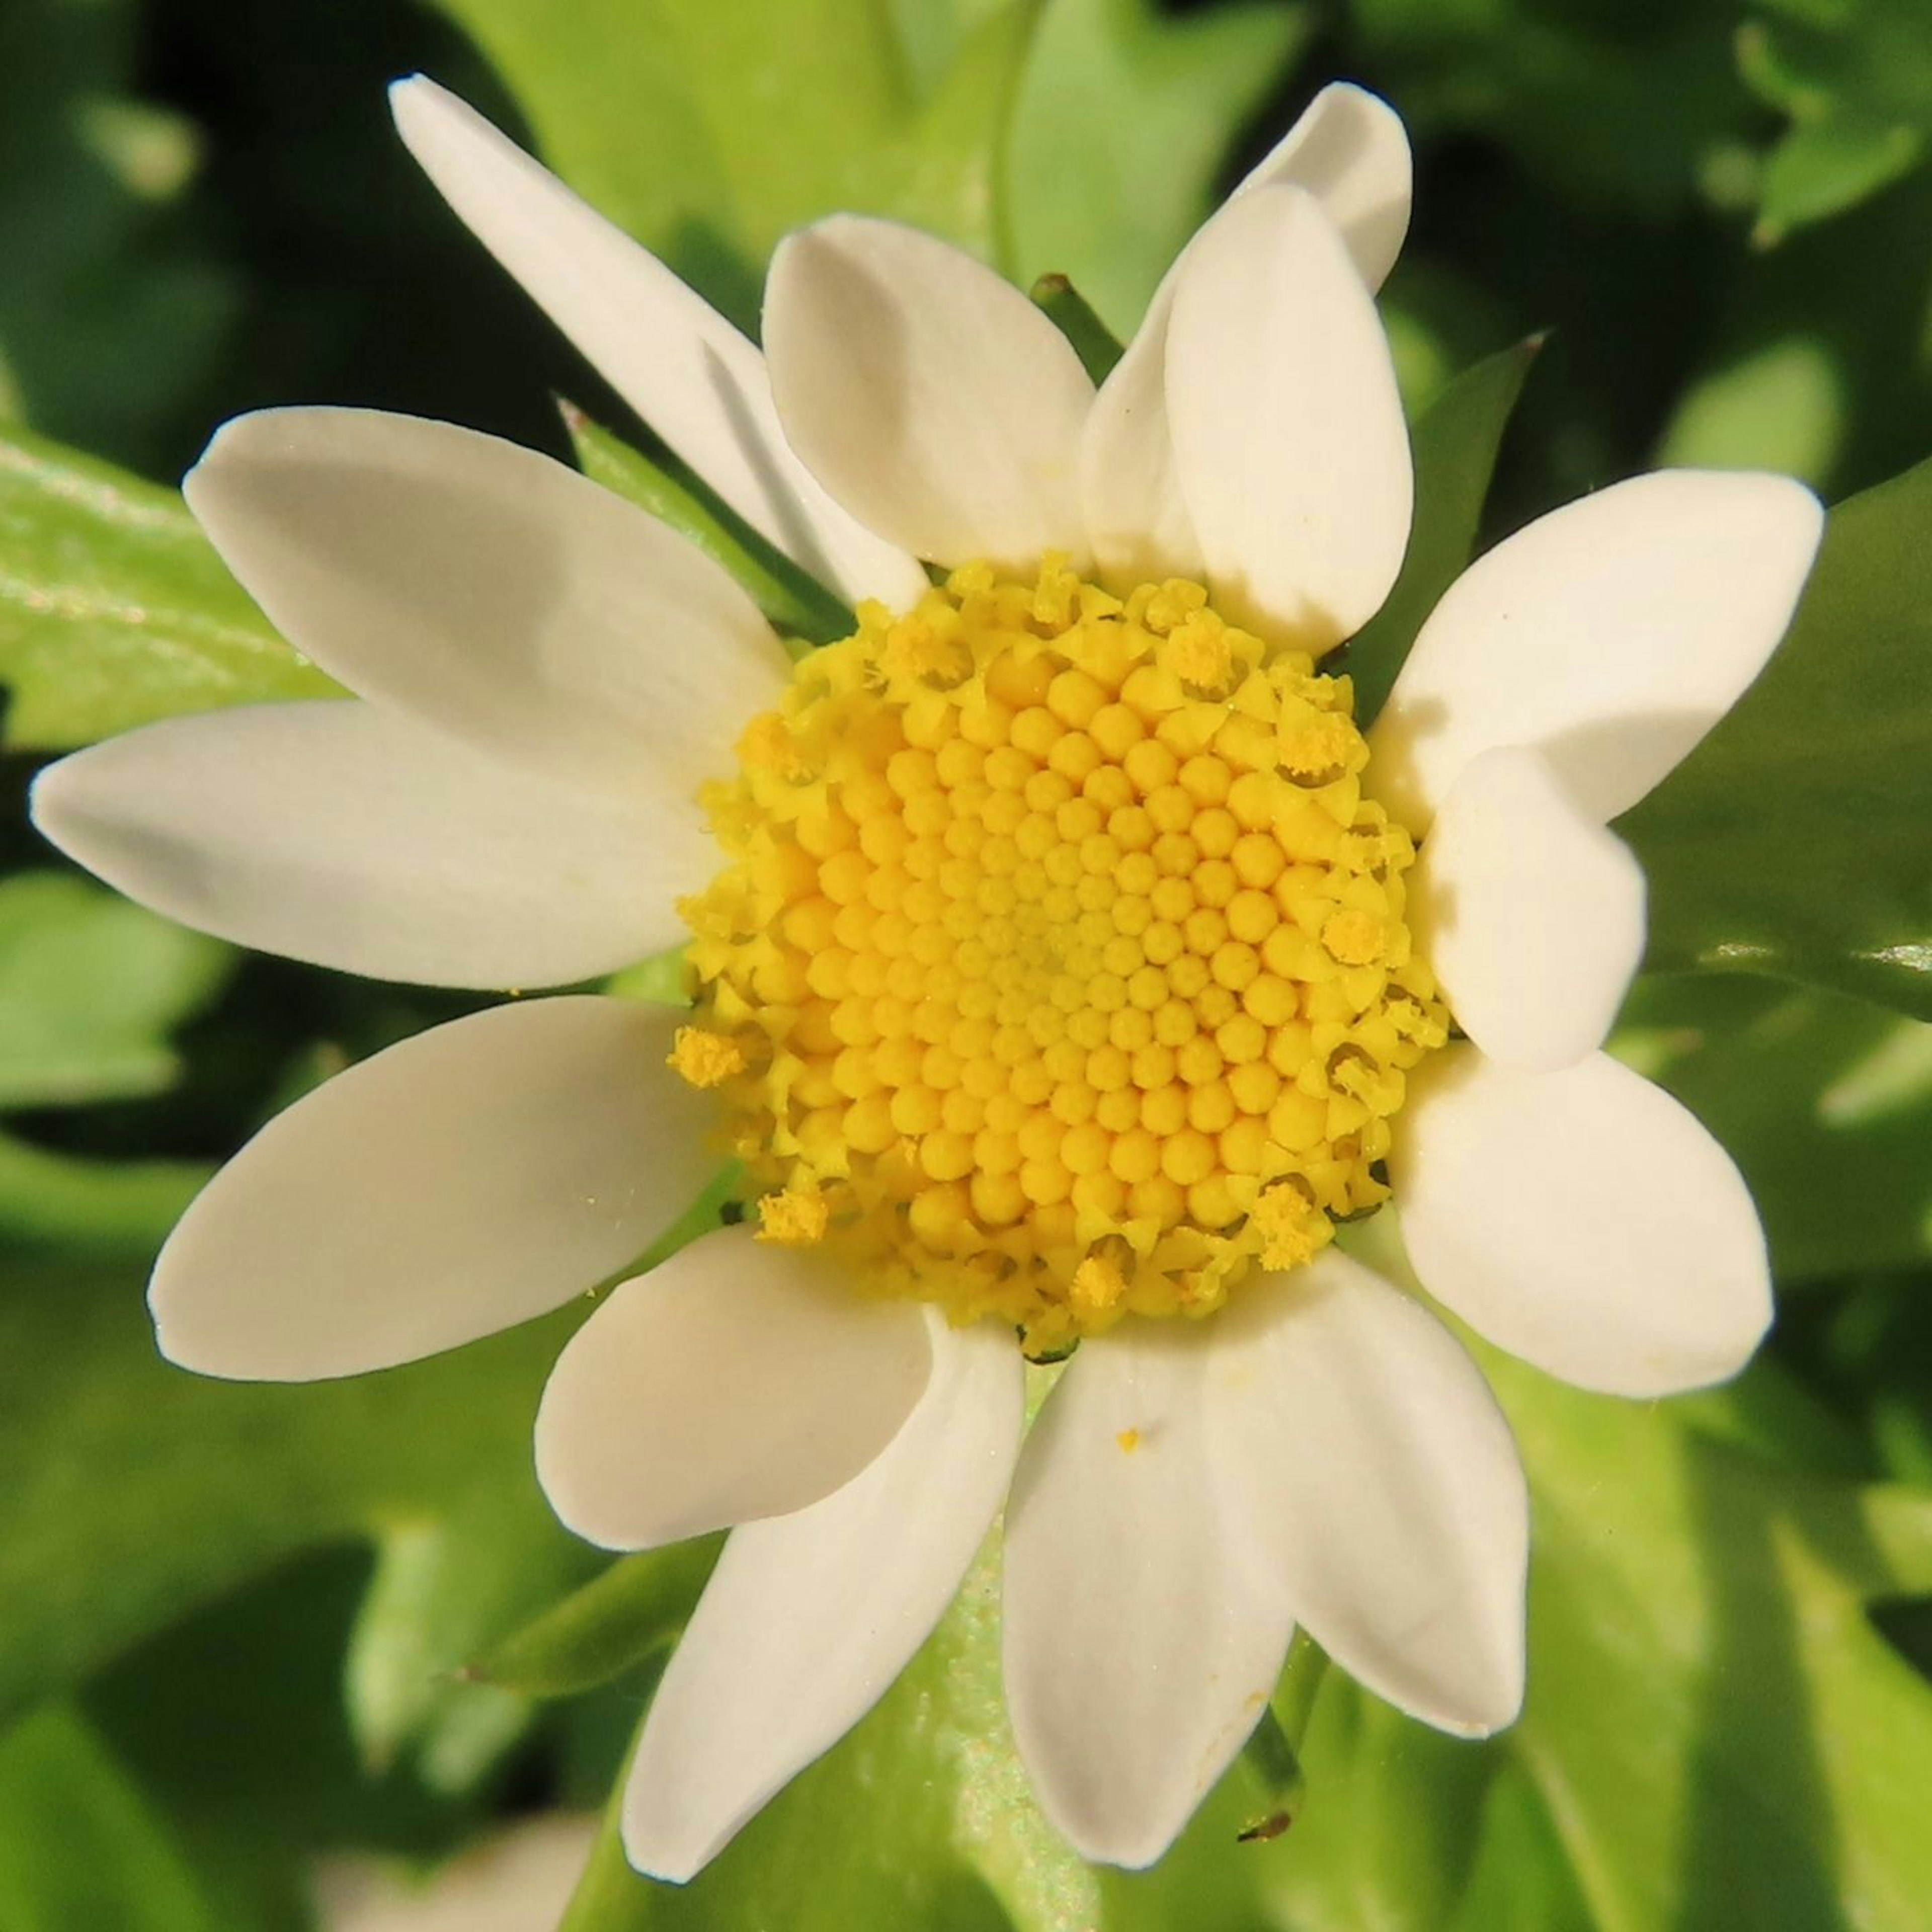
pixel 241 1628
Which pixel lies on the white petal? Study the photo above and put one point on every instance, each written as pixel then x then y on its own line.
pixel 1612 634
pixel 809 1618
pixel 466 1180
pixel 1531 914
pixel 933 399
pixel 1383 1487
pixel 693 378
pixel 737 1380
pixel 1143 1637
pixel 1288 434
pixel 1349 151
pixel 1582 1220
pixel 489 591
pixel 335 833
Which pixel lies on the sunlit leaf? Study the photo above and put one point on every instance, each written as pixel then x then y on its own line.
pixel 114 609
pixel 1720 1734
pixel 707 131
pixel 1123 120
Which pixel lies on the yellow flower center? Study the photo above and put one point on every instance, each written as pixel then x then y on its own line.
pixel 1059 970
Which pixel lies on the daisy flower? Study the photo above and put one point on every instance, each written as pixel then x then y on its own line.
pixel 1066 967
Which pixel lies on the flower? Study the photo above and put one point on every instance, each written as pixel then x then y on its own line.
pixel 956 1094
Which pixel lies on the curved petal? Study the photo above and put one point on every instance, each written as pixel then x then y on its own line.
pixel 1611 634
pixel 1143 1637
pixel 468 1179
pixel 1531 913
pixel 1582 1220
pixel 1383 1488
pixel 687 372
pixel 339 835
pixel 735 1380
pixel 1288 436
pixel 1349 151
pixel 809 1618
pixel 488 591
pixel 930 397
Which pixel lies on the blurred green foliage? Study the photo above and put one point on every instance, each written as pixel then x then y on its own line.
pixel 244 1625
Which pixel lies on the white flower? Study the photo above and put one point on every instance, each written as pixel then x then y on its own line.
pixel 547 677
pixel 519 1881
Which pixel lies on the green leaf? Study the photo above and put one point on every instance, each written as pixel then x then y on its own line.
pixel 90 987
pixel 447 1584
pixel 1825 1102
pixel 1122 122
pixel 1828 167
pixel 1791 841
pixel 1856 85
pixel 1456 441
pixel 137 1491
pixel 114 610
pixel 792 600
pixel 708 131
pixel 121 1207
pixel 608 1628
pixel 1720 1733
pixel 83 1848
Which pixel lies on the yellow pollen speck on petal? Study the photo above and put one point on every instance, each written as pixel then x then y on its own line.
pixel 792 1218
pixel 1130 1440
pixel 705 1059
pixel 1056 970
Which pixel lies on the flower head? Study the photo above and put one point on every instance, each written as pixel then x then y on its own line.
pixel 1067 961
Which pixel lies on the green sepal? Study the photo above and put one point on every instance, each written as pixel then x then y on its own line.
pixel 1792 842
pixel 1070 312
pixel 792 600
pixel 607 1628
pixel 114 610
pixel 1455 439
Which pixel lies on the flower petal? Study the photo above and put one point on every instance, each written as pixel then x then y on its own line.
pixel 1288 436
pixel 809 1618
pixel 930 397
pixel 1143 1637
pixel 1349 151
pixel 1582 1220
pixel 1383 1487
pixel 335 833
pixel 695 379
pixel 1611 634
pixel 1531 913
pixel 468 1179
pixel 489 591
pixel 737 1380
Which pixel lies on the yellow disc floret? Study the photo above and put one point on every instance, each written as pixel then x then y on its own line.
pixel 1059 971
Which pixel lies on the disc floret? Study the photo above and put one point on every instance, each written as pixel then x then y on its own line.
pixel 1059 970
